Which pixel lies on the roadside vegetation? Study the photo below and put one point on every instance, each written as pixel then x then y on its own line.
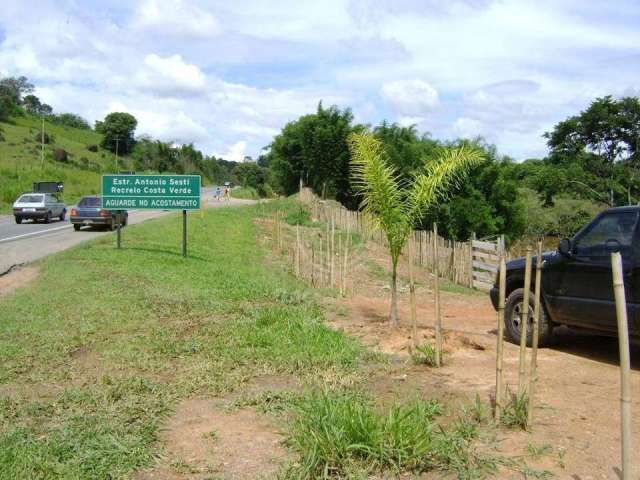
pixel 99 350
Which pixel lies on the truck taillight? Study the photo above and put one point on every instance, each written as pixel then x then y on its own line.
pixel 105 213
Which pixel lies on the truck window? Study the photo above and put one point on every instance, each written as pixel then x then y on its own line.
pixel 616 226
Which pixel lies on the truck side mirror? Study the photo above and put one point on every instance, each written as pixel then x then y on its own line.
pixel 565 247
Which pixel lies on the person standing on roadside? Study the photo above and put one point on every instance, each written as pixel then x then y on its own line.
pixel 218 191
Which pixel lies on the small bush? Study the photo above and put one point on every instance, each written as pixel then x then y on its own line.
pixel 84 162
pixel 247 193
pixel 514 413
pixel 298 216
pixel 92 148
pixel 425 355
pixel 38 137
pixel 60 155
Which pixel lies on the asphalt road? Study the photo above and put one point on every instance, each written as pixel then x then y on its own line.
pixel 30 241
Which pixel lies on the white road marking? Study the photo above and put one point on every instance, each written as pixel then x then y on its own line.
pixel 31 234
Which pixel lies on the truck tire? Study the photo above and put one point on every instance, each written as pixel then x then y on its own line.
pixel 18 219
pixel 512 309
pixel 47 218
pixel 63 214
pixel 76 227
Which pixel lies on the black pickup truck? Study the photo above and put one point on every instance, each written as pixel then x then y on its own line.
pixel 577 287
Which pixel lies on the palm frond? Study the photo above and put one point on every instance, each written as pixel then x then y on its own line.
pixel 442 176
pixel 383 195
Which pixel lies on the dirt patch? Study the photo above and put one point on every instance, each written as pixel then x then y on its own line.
pixel 577 398
pixel 203 440
pixel 16 278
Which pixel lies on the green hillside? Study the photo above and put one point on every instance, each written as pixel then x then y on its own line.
pixel 20 163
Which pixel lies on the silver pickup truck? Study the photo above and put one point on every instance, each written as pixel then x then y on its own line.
pixel 39 206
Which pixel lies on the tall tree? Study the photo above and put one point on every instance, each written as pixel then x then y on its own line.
pixel 608 129
pixel 314 149
pixel 118 129
pixel 397 206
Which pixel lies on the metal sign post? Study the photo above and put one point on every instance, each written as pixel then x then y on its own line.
pixel 152 192
pixel 184 233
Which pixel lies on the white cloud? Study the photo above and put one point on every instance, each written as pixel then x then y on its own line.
pixel 468 128
pixel 221 73
pixel 170 76
pixel 176 17
pixel 235 152
pixel 410 97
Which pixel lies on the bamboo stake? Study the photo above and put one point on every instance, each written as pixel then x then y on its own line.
pixel 534 338
pixel 412 295
pixel 297 259
pixel 346 264
pixel 340 272
pixel 499 349
pixel 313 263
pixel 524 322
pixel 625 364
pixel 332 250
pixel 436 293
pixel 473 237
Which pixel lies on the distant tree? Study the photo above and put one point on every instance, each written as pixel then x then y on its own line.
pixel 15 88
pixel 118 129
pixel 609 129
pixel 32 104
pixel 405 149
pixel 251 175
pixel 70 120
pixel 314 149
pixel 12 90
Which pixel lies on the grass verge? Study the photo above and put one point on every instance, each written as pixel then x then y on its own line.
pixel 98 350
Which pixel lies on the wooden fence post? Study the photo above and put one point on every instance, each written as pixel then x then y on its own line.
pixel 473 237
pixel 524 322
pixel 625 364
pixel 298 249
pixel 412 294
pixel 534 339
pixel 436 293
pixel 500 347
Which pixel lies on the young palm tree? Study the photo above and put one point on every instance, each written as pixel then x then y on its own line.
pixel 396 206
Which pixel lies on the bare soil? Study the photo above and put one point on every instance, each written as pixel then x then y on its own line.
pixel 205 440
pixel 16 278
pixel 577 394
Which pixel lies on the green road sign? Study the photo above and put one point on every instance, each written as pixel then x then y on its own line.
pixel 162 192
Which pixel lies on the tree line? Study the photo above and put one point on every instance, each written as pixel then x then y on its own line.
pixel 118 130
pixel 592 163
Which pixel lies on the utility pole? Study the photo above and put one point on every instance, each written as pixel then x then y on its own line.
pixel 117 139
pixel 42 145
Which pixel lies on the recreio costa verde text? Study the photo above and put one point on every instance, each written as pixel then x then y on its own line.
pixel 150 186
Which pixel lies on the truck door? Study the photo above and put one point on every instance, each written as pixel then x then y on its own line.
pixel 580 286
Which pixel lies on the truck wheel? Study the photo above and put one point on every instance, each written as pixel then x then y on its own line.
pixel 47 219
pixel 62 215
pixel 513 313
pixel 18 219
pixel 76 227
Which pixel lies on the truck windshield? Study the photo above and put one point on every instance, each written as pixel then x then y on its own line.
pixel 31 199
pixel 89 202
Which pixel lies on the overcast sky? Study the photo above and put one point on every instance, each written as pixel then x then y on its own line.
pixel 227 75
